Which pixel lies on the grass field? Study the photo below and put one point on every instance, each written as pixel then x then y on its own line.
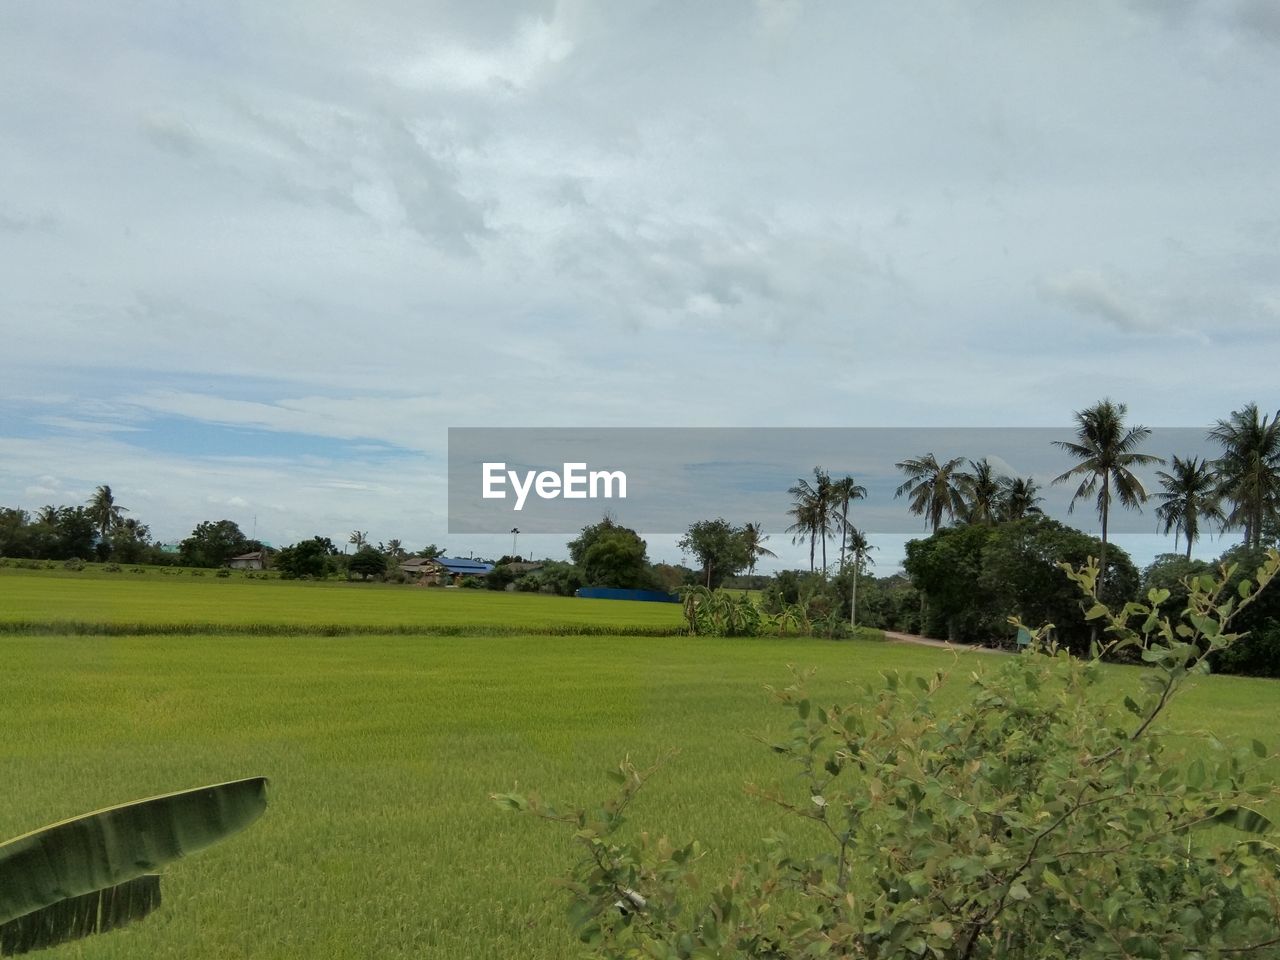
pixel 379 841
pixel 176 602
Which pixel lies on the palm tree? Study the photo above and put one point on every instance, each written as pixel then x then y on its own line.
pixel 1019 498
pixel 104 511
pixel 1190 495
pixel 1249 469
pixel 860 549
pixel 753 536
pixel 360 538
pixel 812 505
pixel 843 492
pixel 933 487
pixel 394 549
pixel 1107 452
pixel 980 488
pixel 804 512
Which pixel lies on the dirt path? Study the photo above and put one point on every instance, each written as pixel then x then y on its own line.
pixel 894 637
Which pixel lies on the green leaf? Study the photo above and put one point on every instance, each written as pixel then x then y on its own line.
pixel 1196 775
pixel 109 847
pixel 1259 748
pixel 77 917
pixel 1096 611
pixel 1242 818
pixel 941 928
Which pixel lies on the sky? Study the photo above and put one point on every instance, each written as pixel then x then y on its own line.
pixel 256 259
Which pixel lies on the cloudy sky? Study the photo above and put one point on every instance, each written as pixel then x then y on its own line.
pixel 256 258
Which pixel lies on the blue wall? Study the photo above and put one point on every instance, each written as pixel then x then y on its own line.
pixel 613 593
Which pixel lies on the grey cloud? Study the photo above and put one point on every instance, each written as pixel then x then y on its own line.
pixel 173 135
pixel 1090 292
pixel 1260 19
pixel 19 221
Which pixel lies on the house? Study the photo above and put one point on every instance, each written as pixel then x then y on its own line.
pixel 417 567
pixel 445 569
pixel 521 567
pixel 257 560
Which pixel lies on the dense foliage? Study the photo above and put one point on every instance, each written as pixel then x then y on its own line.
pixel 972 577
pixel 720 548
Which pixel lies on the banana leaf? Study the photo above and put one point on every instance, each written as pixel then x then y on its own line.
pixel 105 849
pixel 83 916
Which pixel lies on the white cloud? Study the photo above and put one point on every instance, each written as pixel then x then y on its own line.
pixel 506 68
pixel 353 221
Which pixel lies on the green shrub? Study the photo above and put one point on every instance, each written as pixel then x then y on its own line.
pixel 721 613
pixel 75 563
pixel 223 572
pixel 499 577
pixel 1042 817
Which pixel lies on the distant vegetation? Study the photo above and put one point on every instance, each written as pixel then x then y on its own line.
pixel 989 551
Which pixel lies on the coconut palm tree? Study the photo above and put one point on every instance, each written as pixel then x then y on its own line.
pixel 814 501
pixel 104 511
pixel 980 488
pixel 804 513
pixel 1107 452
pixel 860 548
pixel 1190 495
pixel 360 538
pixel 1249 469
pixel 1019 498
pixel 843 492
pixel 933 487
pixel 753 536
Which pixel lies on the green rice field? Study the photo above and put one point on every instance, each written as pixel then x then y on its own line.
pixel 177 601
pixel 379 841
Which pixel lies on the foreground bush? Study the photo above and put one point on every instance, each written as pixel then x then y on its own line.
pixel 1042 818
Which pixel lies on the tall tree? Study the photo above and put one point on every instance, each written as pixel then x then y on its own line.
pixel 860 548
pixel 1190 495
pixel 104 510
pixel 1019 498
pixel 753 536
pixel 803 528
pixel 1249 469
pixel 981 490
pixel 359 539
pixel 129 540
pixel 843 492
pixel 212 543
pixel 815 501
pixel 934 488
pixel 719 546
pixel 1107 451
